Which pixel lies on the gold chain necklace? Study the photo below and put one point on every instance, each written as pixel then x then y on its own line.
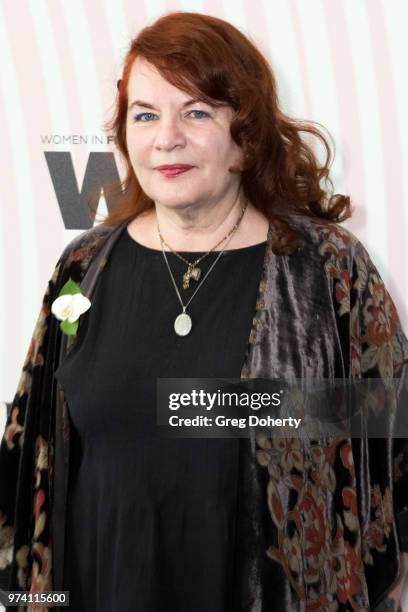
pixel 193 272
pixel 183 322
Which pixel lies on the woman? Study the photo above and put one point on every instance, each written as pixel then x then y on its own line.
pixel 224 258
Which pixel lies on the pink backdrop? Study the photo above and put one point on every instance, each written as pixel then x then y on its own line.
pixel 338 62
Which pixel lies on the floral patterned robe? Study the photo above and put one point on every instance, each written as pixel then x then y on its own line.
pixel 316 522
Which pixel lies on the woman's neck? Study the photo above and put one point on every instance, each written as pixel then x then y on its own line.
pixel 184 236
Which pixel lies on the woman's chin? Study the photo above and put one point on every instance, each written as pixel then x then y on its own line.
pixel 176 202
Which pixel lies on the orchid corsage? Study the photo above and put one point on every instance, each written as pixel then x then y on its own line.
pixel 68 307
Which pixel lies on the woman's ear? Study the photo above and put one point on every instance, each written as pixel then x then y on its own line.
pixel 235 169
pixel 240 166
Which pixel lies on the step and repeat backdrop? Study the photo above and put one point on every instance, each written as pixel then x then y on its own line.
pixel 340 63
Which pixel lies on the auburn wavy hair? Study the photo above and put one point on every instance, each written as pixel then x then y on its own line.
pixel 208 57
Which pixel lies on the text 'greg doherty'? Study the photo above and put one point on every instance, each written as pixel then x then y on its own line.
pixel 206 400
pixel 222 421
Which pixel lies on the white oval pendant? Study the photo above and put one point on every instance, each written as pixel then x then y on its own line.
pixel 182 324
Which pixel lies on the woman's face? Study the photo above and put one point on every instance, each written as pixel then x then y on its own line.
pixel 162 127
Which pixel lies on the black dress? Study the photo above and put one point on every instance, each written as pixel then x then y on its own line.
pixel 151 521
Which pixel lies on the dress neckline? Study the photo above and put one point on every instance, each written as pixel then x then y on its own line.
pixel 142 247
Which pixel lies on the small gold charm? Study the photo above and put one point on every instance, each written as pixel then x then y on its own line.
pixel 186 279
pixel 193 273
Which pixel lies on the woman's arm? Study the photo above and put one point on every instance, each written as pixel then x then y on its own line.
pixel 384 354
pixel 17 437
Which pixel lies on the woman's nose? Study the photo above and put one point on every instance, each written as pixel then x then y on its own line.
pixel 170 133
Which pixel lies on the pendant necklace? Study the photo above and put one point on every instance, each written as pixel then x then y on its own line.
pixel 193 271
pixel 183 322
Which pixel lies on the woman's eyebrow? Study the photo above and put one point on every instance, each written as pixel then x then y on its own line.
pixel 147 105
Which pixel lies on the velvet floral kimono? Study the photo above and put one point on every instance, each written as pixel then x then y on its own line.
pixel 316 528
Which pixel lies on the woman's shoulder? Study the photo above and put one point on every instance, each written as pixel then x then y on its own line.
pixel 326 238
pixel 82 248
pixel 324 247
pixel 317 230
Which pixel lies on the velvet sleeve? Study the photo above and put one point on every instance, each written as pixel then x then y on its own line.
pixel 379 349
pixel 18 446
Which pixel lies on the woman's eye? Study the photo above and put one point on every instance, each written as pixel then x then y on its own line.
pixel 200 111
pixel 138 117
pixel 144 117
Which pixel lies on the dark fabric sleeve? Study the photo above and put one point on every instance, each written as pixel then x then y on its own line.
pixel 13 442
pixel 383 348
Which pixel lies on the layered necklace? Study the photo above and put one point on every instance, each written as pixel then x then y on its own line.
pixel 183 322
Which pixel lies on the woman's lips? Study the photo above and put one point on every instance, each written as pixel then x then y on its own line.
pixel 170 172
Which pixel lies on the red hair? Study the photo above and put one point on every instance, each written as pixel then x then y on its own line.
pixel 208 57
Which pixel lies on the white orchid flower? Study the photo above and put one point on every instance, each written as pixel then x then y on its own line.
pixel 70 307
